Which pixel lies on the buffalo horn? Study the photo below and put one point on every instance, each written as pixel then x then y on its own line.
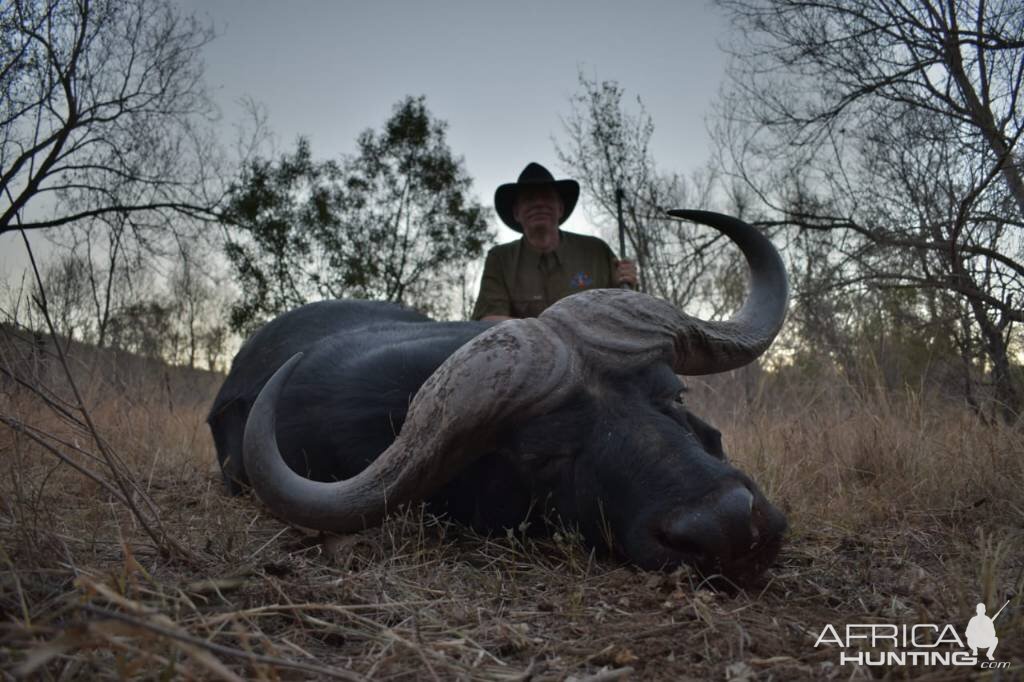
pixel 618 329
pixel 512 371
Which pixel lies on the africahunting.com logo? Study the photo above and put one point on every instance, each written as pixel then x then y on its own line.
pixel 886 644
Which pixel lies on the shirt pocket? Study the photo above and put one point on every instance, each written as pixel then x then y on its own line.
pixel 581 280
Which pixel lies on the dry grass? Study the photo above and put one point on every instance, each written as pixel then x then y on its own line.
pixel 902 510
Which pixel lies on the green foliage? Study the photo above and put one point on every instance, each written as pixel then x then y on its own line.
pixel 392 222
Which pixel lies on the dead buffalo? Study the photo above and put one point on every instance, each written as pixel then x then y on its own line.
pixel 346 409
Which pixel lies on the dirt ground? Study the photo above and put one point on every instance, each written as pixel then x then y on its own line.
pixel 903 510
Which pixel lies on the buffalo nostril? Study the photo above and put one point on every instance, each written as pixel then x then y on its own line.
pixel 719 527
pixel 736 502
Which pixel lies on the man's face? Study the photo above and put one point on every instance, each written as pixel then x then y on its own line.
pixel 538 210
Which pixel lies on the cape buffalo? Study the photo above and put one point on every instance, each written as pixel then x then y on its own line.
pixel 340 410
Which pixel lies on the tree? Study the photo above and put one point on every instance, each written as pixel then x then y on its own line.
pixel 64 281
pixel 112 257
pixel 278 210
pixel 102 112
pixel 607 148
pixel 393 222
pixel 894 128
pixel 192 296
pixel 215 343
pixel 146 328
pixel 176 317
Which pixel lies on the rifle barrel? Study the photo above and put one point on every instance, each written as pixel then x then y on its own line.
pixel 622 230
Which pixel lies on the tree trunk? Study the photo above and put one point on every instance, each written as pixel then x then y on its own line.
pixel 1006 393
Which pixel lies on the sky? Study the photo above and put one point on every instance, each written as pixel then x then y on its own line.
pixel 500 74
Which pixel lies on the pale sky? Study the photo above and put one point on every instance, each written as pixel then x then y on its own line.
pixel 500 74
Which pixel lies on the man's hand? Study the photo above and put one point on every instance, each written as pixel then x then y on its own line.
pixel 625 271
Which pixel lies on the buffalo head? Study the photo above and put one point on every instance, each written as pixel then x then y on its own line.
pixel 582 403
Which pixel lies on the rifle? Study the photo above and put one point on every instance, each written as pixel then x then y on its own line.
pixel 622 231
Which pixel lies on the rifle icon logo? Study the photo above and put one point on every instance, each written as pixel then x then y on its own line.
pixel 981 631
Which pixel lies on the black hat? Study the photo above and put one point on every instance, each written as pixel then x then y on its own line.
pixel 534 174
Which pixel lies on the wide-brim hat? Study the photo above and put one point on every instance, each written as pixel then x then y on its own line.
pixel 534 175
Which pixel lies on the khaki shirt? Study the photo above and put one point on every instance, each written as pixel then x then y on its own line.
pixel 520 282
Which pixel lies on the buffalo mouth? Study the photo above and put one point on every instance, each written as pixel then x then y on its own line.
pixel 742 571
pixel 747 571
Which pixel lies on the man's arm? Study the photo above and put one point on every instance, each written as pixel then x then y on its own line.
pixel 493 301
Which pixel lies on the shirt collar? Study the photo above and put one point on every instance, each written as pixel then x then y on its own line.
pixel 558 254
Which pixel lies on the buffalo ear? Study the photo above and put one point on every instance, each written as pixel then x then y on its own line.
pixel 710 437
